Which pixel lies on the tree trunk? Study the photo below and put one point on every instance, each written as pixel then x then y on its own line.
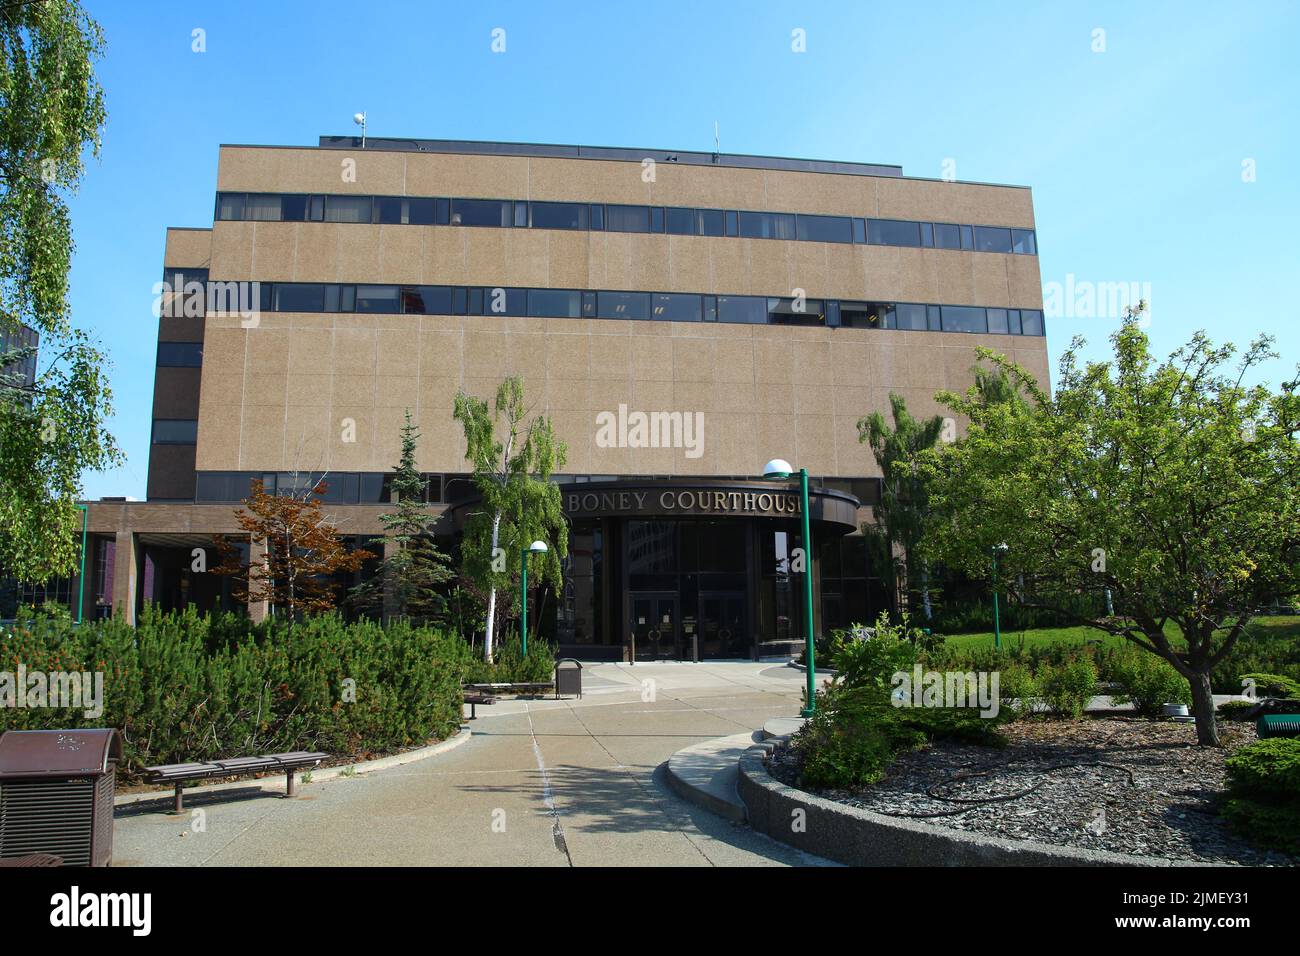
pixel 1207 731
pixel 492 594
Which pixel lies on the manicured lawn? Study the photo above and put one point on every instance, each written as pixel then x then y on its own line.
pixel 1286 628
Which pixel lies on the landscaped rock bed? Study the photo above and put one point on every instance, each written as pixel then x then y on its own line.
pixel 1121 784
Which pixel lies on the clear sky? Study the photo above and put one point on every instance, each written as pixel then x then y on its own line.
pixel 1136 154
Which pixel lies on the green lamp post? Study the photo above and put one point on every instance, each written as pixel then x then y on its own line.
pixel 537 547
pixel 998 549
pixel 780 469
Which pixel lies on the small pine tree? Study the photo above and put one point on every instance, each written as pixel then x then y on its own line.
pixel 412 578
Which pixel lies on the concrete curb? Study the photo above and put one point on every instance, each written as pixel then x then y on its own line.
pixel 275 781
pixel 705 774
pixel 860 837
pixel 821 671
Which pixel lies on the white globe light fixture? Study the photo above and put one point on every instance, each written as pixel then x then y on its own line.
pixel 777 468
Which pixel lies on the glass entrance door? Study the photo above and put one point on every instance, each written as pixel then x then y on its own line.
pixel 723 627
pixel 655 624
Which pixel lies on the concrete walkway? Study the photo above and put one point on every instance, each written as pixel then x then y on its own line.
pixel 541 783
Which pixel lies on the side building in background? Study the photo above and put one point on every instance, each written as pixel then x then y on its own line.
pixel 682 318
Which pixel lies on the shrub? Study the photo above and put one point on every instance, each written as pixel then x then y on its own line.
pixel 184 687
pixel 1236 709
pixel 1016 683
pixel 1266 768
pixel 510 666
pixel 1067 687
pixel 1148 682
pixel 872 661
pixel 1274 685
pixel 1272 825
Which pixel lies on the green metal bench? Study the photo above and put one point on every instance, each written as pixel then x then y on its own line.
pixel 1278 725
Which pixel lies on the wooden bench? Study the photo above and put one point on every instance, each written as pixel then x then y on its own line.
pixel 179 773
pixel 474 700
pixel 501 688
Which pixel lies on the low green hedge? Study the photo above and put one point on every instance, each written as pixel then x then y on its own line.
pixel 188 687
pixel 1263 800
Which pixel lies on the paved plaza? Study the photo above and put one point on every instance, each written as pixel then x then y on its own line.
pixel 540 783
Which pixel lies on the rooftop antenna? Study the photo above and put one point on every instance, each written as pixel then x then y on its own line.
pixel 360 120
pixel 717 143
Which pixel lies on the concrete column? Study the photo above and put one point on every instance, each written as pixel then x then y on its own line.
pixel 125 577
pixel 256 558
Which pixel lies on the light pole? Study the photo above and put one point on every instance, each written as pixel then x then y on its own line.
pixel 997 622
pixel 779 468
pixel 537 547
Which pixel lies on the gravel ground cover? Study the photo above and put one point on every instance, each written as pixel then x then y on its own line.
pixel 1126 785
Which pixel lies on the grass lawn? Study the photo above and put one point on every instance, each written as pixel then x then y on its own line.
pixel 1284 627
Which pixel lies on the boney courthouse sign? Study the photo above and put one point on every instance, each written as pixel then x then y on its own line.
pixel 695 500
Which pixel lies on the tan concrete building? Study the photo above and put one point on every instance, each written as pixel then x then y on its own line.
pixel 681 317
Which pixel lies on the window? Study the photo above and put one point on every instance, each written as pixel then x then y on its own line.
pixel 910 317
pixel 422 212
pixel 712 222
pixel 175 431
pixel 299 297
pixel 554 303
pixel 824 228
pixel 340 298
pixel 589 305
pixel 230 206
pixel 947 236
pixel 997 320
pixel 893 232
pixel 348 208
pixel 623 305
pixel 731 222
pixel 934 318
pixel 767 225
pixel 1023 243
pixel 481 212
pixel 796 312
pixel 627 218
pixel 672 307
pixel 656 218
pixel 378 299
pixel 681 222
pixel 710 308
pixel 441 212
pixel 293 208
pixel 927 235
pixel 967 242
pixel 559 215
pixel 959 318
pixel 1032 322
pixel 1013 321
pixel 859 230
pixel 597 217
pixel 316 208
pixel 864 315
pixel 500 301
pixel 226 485
pixel 180 354
pixel 742 308
pixel 262 208
pixel 991 239
pixel 521 215
pixel 389 211
pixel 426 300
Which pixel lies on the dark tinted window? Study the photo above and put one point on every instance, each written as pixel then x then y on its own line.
pixel 1013 321
pixel 991 239
pixel 967 240
pixel 293 208
pixel 499 301
pixel 180 354
pixel 863 315
pixel 230 206
pixel 712 222
pixel 1022 242
pixel 890 232
pixel 175 431
pixel 788 311
pixel 559 215
pixel 554 303
pixel 441 212
pixel 262 208
pixel 825 228
pixel 627 218
pixel 378 298
pixel 597 217
pixel 673 307
pixel 997 320
pixel 426 300
pixel 947 236
pixel 731 222
pixel 767 225
pixel 859 230
pixel 389 210
pixel 910 317
pixel 1031 321
pixel 480 212
pixel 681 222
pixel 958 318
pixel 422 212
pixel 934 318
pixel 224 485
pixel 656 219
pixel 623 305
pixel 521 215
pixel 710 308
pixel 927 235
pixel 742 308
pixel 299 297
pixel 348 208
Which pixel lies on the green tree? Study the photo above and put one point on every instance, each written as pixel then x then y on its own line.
pixel 518 501
pixel 409 581
pixel 51 112
pixel 899 515
pixel 1172 486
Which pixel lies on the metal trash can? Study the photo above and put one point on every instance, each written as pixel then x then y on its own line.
pixel 568 680
pixel 56 794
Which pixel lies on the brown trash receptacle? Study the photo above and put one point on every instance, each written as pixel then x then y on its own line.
pixel 568 680
pixel 56 794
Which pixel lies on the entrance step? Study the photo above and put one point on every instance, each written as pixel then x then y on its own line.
pixel 705 774
pixel 782 726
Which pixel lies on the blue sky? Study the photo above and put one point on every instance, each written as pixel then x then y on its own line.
pixel 1135 154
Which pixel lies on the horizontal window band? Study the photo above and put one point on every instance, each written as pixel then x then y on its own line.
pixel 615 217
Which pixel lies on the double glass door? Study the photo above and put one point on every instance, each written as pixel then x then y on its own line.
pixel 723 632
pixel 656 626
